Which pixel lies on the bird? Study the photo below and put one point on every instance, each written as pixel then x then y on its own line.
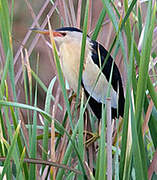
pixel 69 40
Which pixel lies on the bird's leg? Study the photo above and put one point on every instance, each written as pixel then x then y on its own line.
pixel 90 137
pixel 73 95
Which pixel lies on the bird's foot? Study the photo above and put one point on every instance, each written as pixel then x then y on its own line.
pixel 90 138
pixel 72 96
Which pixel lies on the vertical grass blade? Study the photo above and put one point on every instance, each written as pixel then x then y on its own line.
pixel 19 141
pixel 46 123
pixel 99 24
pixel 68 152
pixel 125 145
pixel 10 151
pixel 144 62
pixel 21 164
pixel 33 140
pixel 5 26
pixel 4 75
pixel 60 76
pixel 138 161
pixel 142 83
pixel 102 152
pixel 83 47
pixel 81 145
pixel 112 16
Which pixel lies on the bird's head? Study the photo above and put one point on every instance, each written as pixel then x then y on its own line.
pixel 62 34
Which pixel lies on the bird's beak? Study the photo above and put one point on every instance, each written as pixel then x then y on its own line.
pixel 46 32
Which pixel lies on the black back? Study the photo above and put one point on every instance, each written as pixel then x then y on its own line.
pixel 68 29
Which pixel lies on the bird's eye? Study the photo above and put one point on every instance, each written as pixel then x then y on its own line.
pixel 63 33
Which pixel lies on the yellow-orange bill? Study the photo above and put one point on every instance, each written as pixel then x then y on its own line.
pixel 46 32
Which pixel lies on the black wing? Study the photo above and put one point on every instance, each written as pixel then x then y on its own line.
pixel 116 81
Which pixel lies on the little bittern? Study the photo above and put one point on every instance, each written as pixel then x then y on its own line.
pixel 69 41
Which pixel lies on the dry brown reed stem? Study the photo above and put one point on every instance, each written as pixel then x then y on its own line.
pixel 109 139
pixel 79 13
pixel 153 166
pixel 53 156
pixel 35 40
